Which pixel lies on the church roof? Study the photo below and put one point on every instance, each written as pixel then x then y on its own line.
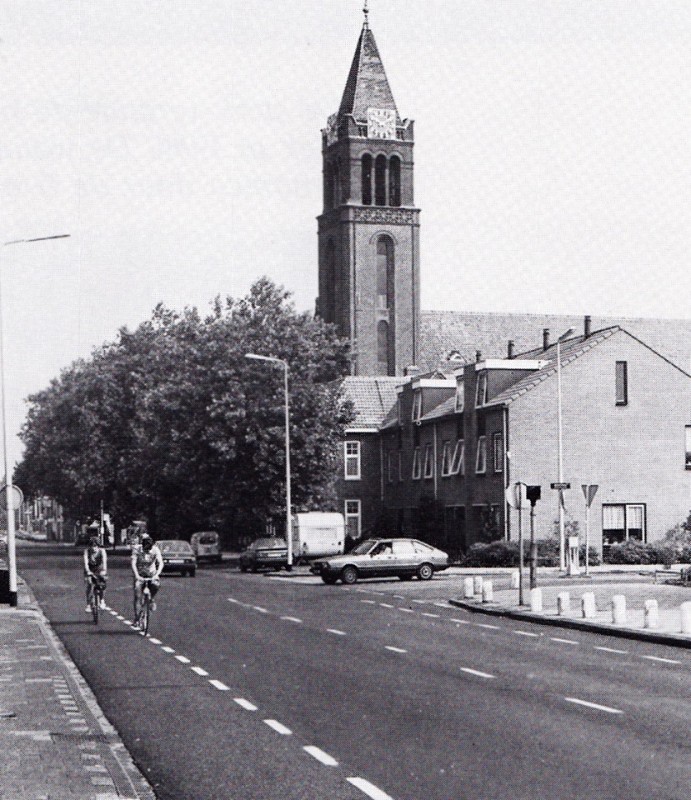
pixel 372 398
pixel 367 85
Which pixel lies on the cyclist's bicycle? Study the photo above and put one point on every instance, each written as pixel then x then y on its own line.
pixel 144 611
pixel 95 595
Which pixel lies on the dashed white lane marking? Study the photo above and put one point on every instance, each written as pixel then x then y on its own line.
pixel 127 622
pixel 421 602
pixel 395 649
pixel 167 649
pixel 199 671
pixel 440 605
pixel 260 609
pixel 155 641
pixel 428 614
pixel 527 633
pixel 460 621
pixel 244 703
pixel 183 659
pixel 321 756
pixel 398 596
pixel 336 631
pixel 385 605
pixel 233 600
pixel 596 706
pixel 663 660
pixel 485 625
pixel 369 602
pixel 218 685
pixel 272 723
pixel 292 619
pixel 563 641
pixel 407 610
pixel 611 650
pixel 369 789
pixel 476 672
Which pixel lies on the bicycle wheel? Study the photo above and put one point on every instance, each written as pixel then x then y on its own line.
pixel 144 614
pixel 95 601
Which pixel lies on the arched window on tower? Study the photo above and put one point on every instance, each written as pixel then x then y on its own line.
pixel 330 282
pixel 383 348
pixel 386 300
pixel 395 181
pixel 380 181
pixel 366 180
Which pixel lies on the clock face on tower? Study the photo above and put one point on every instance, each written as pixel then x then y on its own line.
pixel 381 123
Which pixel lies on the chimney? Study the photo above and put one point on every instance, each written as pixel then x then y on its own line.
pixel 545 338
pixel 586 326
pixel 509 349
pixel 411 370
pixel 478 356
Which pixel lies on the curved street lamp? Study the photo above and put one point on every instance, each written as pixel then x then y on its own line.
pixel 560 446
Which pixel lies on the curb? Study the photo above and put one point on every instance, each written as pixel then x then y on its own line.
pixel 672 639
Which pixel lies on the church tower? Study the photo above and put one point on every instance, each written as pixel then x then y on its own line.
pixel 369 262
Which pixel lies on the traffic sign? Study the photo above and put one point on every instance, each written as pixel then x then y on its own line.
pixel 16 497
pixel 516 496
pixel 560 485
pixel 589 492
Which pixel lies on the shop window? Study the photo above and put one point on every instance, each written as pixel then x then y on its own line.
pixel 621 522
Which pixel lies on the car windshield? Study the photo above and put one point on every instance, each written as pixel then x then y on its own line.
pixel 175 547
pixel 364 547
pixel 208 538
pixel 269 544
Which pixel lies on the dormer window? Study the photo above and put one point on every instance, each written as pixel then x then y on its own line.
pixel 481 390
pixel 417 405
pixel 460 397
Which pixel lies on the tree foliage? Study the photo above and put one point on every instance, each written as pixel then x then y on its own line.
pixel 172 423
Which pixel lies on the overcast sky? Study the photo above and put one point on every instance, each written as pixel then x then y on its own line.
pixel 179 144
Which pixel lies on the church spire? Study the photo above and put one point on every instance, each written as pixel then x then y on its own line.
pixel 365 11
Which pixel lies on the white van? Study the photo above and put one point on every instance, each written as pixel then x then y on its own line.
pixel 317 534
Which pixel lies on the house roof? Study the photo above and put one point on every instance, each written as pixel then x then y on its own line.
pixel 367 85
pixel 372 399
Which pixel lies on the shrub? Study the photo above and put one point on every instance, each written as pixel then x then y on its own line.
pixel 495 554
pixel 634 552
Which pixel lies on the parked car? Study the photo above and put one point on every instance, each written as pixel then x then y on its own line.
pixel 178 556
pixel 379 558
pixel 269 551
pixel 207 544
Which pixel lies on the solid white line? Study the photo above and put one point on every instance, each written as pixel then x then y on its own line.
pixel 199 671
pixel 394 649
pixel 183 659
pixel 407 610
pixel 663 660
pixel 154 641
pixel 245 704
pixel 385 605
pixel 563 641
pixel 427 614
pixel 320 755
pixel 167 649
pixel 260 609
pixel 593 705
pixel 611 650
pixel 476 672
pixel 460 621
pixel 292 619
pixel 218 685
pixel 369 789
pixel 485 625
pixel 528 633
pixel 272 723
pixel 336 631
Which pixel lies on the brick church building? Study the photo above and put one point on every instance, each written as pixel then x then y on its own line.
pixel 451 408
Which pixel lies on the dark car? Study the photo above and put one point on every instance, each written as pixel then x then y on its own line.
pixel 178 556
pixel 269 551
pixel 381 558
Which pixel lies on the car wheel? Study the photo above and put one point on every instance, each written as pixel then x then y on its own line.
pixel 329 580
pixel 425 572
pixel 254 567
pixel 349 575
pixel 192 573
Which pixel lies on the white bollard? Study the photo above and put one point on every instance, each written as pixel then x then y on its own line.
pixel 478 585
pixel 515 579
pixel 468 588
pixel 536 600
pixel 588 605
pixel 651 617
pixel 487 591
pixel 619 609
pixel 685 609
pixel 563 603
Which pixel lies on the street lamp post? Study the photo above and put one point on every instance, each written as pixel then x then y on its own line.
pixel 562 560
pixel 289 524
pixel 9 494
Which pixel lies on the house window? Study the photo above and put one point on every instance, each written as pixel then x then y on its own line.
pixel 621 522
pixel 460 397
pixel 353 518
pixel 688 446
pixel 429 461
pixel 457 462
pixel 481 390
pixel 481 455
pixel 498 452
pixel 446 459
pixel 621 382
pixel 417 470
pixel 417 405
pixel 389 465
pixel 352 461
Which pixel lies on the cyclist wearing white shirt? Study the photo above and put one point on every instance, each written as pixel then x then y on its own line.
pixel 147 564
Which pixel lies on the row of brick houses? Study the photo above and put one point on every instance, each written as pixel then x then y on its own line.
pixel 431 455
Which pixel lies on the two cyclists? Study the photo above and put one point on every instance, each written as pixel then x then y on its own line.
pixel 147 565
pixel 95 571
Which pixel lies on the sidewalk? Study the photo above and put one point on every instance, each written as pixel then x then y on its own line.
pixel 55 743
pixel 669 598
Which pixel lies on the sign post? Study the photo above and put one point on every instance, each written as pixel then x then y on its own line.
pixel 533 494
pixel 589 492
pixel 516 498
